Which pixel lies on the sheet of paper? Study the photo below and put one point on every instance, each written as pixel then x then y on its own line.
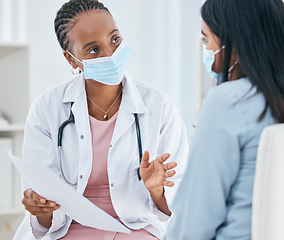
pixel 44 182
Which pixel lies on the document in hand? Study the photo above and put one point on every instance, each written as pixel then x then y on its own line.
pixel 45 183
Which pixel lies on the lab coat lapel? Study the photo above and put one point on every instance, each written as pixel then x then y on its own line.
pixel 76 93
pixel 75 89
pixel 82 123
pixel 132 102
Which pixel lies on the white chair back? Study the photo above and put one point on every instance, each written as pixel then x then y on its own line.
pixel 268 195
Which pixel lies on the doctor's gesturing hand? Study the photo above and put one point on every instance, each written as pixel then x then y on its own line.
pixel 39 206
pixel 154 176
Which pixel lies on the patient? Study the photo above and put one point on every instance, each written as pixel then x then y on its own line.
pixel 244 49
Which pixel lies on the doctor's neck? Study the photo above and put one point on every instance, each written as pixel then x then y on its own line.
pixel 103 100
pixel 97 90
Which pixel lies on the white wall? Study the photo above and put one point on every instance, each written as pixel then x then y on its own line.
pixel 161 33
pixel 47 64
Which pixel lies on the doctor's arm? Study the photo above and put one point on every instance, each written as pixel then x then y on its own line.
pixel 173 151
pixel 39 147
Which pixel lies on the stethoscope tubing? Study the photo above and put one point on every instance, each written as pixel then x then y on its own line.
pixel 71 119
pixel 138 133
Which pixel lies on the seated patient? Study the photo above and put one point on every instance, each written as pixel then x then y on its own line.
pixel 244 49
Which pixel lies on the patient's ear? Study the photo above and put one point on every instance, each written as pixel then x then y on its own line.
pixel 235 56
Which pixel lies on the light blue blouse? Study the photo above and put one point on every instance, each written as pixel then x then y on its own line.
pixel 215 196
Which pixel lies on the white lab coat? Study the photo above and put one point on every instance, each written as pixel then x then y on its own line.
pixel 162 130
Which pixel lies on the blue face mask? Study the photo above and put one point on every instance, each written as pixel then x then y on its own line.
pixel 107 70
pixel 208 58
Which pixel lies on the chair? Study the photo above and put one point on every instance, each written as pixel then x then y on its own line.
pixel 268 195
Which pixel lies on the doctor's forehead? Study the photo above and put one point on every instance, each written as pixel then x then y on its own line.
pixel 94 25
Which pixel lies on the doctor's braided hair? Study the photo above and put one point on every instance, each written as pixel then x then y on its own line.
pixel 67 17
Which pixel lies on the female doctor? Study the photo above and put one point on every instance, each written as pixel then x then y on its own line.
pixel 100 149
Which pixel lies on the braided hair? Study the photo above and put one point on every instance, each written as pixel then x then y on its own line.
pixel 67 17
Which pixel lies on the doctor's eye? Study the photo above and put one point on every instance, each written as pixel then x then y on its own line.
pixel 94 50
pixel 116 39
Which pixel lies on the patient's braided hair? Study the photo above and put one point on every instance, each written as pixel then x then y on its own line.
pixel 67 17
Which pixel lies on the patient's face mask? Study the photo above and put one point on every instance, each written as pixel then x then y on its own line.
pixel 107 70
pixel 208 59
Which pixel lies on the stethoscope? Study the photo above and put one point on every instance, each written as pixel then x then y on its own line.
pixel 71 119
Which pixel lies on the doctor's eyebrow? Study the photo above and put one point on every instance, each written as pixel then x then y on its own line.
pixel 93 42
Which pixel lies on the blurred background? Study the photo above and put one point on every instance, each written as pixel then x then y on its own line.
pixel 163 34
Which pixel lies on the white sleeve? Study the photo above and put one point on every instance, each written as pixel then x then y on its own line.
pixel 39 147
pixel 173 139
pixel 58 221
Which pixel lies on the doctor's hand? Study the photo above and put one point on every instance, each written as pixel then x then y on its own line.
pixel 154 174
pixel 39 207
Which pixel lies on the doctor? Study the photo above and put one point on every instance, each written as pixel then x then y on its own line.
pixel 101 150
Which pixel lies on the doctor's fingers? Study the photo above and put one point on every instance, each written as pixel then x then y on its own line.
pixel 168 183
pixel 169 174
pixel 29 202
pixel 30 194
pixel 169 166
pixel 145 160
pixel 36 211
pixel 163 158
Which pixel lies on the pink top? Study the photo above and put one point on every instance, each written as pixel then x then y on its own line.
pixel 97 190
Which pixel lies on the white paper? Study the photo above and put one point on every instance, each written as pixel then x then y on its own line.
pixel 44 182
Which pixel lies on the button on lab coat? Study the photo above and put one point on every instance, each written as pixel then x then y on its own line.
pixel 162 130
